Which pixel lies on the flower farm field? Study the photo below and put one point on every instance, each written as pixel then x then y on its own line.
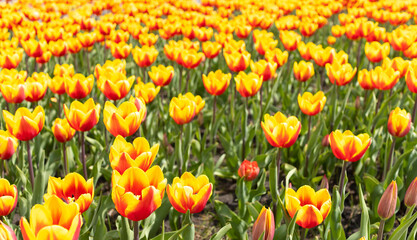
pixel 211 119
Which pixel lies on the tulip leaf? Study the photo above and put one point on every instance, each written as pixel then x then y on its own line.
pixel 170 235
pixel 370 182
pixel 365 225
pixel 392 173
pixel 124 228
pixel 403 228
pixel 112 235
pixel 291 227
pixel 221 233
pixel 40 182
pixel 413 233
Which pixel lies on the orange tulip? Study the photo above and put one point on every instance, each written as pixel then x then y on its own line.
pixel 190 58
pixel 115 85
pixel 265 69
pixel 73 188
pixel 305 50
pixel 237 61
pixel 13 92
pixel 248 84
pixel 349 147
pixel 399 122
pixel 52 220
pixel 58 48
pixel 189 193
pixel 398 64
pixel 375 51
pixel 401 39
pixel 331 40
pixel 211 49
pixel 124 120
pixel 264 224
pixel 182 109
pixel 74 45
pixel 217 82
pixel 303 70
pixel 410 198
pixel 289 39
pixel 364 79
pixel 124 155
pixel 340 74
pixel 280 131
pixel 384 79
pixel 87 39
pixel 265 44
pixel 116 65
pixel 277 56
pixel 120 50
pixel 34 48
pixel 25 125
pixel 136 193
pixel 161 75
pixel 248 170
pixel 148 39
pixel 311 104
pixel 388 201
pixel 145 56
pixel 6 232
pixel 82 116
pixel 146 91
pixel 11 58
pixel 8 199
pixel 8 145
pixel 79 86
pixel 323 56
pixel 62 131
pixel 338 31
pixel 313 207
pixel 64 70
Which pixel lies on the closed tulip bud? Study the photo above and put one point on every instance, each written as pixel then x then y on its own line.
pixel 6 232
pixel 324 183
pixel 8 199
pixel 248 84
pixel 145 56
pixel 280 131
pixel 264 224
pixel 25 125
pixel 79 86
pixel 211 49
pixel 237 61
pixel 82 116
pixel 311 104
pixel 410 198
pixel 189 193
pixel 347 146
pixel 182 109
pixel 313 207
pixel 303 70
pixel 265 69
pixel 289 39
pixel 137 194
pixel 340 74
pixel 384 79
pixel 325 142
pixel 62 131
pixel 399 122
pixel 124 120
pixel 388 201
pixel 277 56
pixel 146 91
pixel 73 188
pixel 217 82
pixel 375 51
pixel 46 223
pixel 248 170
pixel 115 85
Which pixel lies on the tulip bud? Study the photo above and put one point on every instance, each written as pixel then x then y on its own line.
pixel 264 224
pixel 410 198
pixel 248 170
pixel 324 183
pixel 325 141
pixel 388 202
pixel 358 102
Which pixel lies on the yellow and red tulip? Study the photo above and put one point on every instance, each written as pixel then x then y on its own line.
pixel 146 91
pixel 264 224
pixel 82 116
pixel 265 69
pixel 248 84
pixel 399 122
pixel 114 85
pixel 78 86
pixel 347 146
pixel 340 74
pixel 145 56
pixel 303 70
pixel 182 109
pixel 217 82
pixel 311 104
pixel 62 131
pixel 24 124
pixel 8 197
pixel 161 75
pixel 280 131
pixel 237 61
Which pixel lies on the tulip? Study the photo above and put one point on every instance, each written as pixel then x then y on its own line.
pixel 110 66
pixel 74 45
pixel 307 28
pixel 204 34
pixel 312 207
pixel 265 44
pixel 46 56
pixel 280 131
pixel 277 56
pixel 401 39
pixel 399 122
pixel 398 64
pixel 340 74
pixel 248 170
pixel 411 52
pixel 182 109
pixel 25 125
pixel 265 225
pixel 52 220
pixel 62 131
pixel 237 61
pixel 410 198
pixel 243 31
pixel 145 56
pixel 124 120
pixel 58 48
pixel 34 48
pixel 13 92
pixel 248 84
pixel 289 39
pixel 57 85
pixel 189 193
pixel 331 40
pixel 137 194
pixel 323 56
pixel 118 36
pixel 105 28
pixel 161 75
pixel 384 79
pixel 8 145
pixel 73 188
pixel 146 91
pixel 375 51
pixel 265 69
pixel 305 50
pixel 364 79
pixel 311 104
pixel 114 85
pixel 303 70
pixel 124 155
pixel 64 70
pixel 211 49
pixel 8 197
pixel 217 82
pixel 11 58
pixel 190 58
pixel 35 88
pixel 148 39
pixel 6 232
pixel 79 86
pixel 199 102
pixel 337 30
pixel 87 39
pixel 386 206
pixel 120 50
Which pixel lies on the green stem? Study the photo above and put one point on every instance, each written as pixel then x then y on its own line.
pixel 414 110
pixel 390 159
pixel 64 152
pixel 32 176
pixel 135 230
pixel 245 119
pixel 180 158
pixel 83 155
pixel 381 229
pixel 213 122
pixel 308 138
pixel 342 179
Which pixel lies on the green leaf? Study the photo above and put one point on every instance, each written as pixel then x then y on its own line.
pixel 403 228
pixel 291 227
pixel 170 235
pixel 365 225
pixel 220 234
pixel 40 182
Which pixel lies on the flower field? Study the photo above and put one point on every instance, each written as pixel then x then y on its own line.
pixel 219 119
